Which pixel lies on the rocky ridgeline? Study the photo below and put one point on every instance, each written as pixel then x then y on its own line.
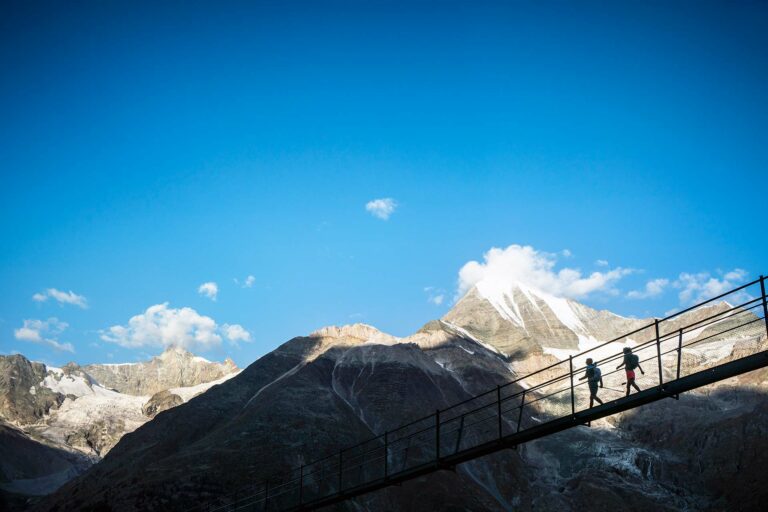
pixel 72 417
pixel 340 385
pixel 174 368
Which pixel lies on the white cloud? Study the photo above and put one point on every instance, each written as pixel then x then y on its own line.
pixel 249 282
pixel 526 265
pixel 381 208
pixel 435 296
pixel 436 299
pixel 209 289
pixel 652 288
pixel 161 326
pixel 69 297
pixel 699 287
pixel 567 253
pixel 235 333
pixel 601 263
pixel 45 332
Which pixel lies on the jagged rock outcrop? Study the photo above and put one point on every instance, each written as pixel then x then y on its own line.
pixel 161 401
pixel 173 368
pixel 22 399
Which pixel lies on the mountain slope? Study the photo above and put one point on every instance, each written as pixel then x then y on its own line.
pixel 64 420
pixel 342 385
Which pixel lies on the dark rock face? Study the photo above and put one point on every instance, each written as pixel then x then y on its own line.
pixel 22 399
pixel 161 401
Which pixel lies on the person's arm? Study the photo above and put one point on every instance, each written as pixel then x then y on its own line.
pixel 584 377
pixel 601 381
pixel 641 368
pixel 619 367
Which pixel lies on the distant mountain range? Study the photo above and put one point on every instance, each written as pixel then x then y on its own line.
pixel 75 415
pixel 337 386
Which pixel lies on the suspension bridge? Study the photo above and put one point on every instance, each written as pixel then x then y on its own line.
pixel 704 344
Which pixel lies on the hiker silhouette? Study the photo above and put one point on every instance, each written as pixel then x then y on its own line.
pixel 631 361
pixel 594 377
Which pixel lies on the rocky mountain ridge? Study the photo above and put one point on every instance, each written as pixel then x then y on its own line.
pixel 340 385
pixel 69 415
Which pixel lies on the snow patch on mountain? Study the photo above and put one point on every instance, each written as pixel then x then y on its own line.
pixel 188 393
pixel 71 384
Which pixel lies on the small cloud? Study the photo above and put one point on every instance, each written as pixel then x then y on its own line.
pixel 381 208
pixel 247 283
pixel 601 263
pixel 45 332
pixel 235 333
pixel 209 289
pixel 699 287
pixel 652 288
pixel 566 253
pixel 69 297
pixel 436 299
pixel 435 296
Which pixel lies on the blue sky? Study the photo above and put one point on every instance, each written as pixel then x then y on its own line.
pixel 147 149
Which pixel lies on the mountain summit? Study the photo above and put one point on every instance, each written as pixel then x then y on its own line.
pixel 174 368
pixel 519 320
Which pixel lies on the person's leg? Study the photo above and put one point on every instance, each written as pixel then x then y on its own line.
pixel 598 399
pixel 629 384
pixel 634 385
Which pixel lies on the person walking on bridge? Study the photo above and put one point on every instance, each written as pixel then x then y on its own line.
pixel 594 377
pixel 631 361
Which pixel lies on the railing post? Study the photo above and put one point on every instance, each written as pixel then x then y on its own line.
pixel 437 436
pixel 386 455
pixel 498 408
pixel 458 437
pixel 679 351
pixel 341 487
pixel 765 303
pixel 658 351
pixel 573 399
pixel 520 416
pixel 301 485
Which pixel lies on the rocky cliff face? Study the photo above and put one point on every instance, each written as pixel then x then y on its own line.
pixel 340 385
pixel 174 368
pixel 22 399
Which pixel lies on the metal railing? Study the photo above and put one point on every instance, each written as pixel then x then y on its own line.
pixel 667 351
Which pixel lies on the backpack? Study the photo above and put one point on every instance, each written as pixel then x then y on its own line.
pixel 596 374
pixel 632 361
